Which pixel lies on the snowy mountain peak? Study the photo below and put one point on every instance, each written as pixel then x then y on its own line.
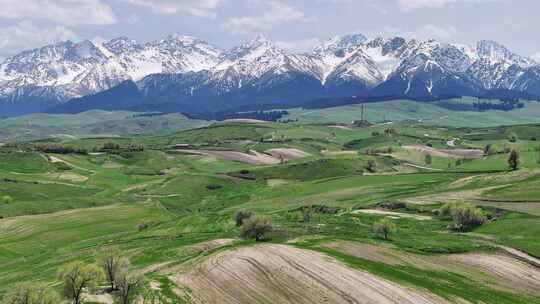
pixel 347 65
pixel 121 45
pixel 496 52
pixel 341 44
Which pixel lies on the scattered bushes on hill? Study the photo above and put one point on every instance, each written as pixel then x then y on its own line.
pixel 256 227
pixel 384 228
pixel 60 149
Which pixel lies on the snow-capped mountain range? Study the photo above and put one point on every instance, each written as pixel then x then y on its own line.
pixel 193 74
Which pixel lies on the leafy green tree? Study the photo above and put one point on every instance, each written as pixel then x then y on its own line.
pixel 113 264
pixel 29 293
pixel 128 287
pixel 384 228
pixel 428 159
pixel 78 277
pixel 257 228
pixel 513 160
pixel 466 216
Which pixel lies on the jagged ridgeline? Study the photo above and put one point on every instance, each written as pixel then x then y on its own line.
pixel 186 74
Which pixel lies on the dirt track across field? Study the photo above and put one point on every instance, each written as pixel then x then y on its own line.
pixel 447 153
pixel 285 274
pixel 393 214
pixel 253 158
pixel 287 154
pixel 270 157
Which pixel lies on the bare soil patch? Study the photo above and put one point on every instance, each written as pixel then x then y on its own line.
pixel 341 127
pixel 504 270
pixel 284 274
pixel 287 154
pixel 393 214
pixel 447 153
pixel 339 153
pixel 253 158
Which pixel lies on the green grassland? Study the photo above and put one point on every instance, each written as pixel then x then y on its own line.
pixel 430 114
pixel 91 123
pixel 60 213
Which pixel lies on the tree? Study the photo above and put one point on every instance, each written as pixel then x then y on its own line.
pixel 384 228
pixel 27 293
pixel 513 160
pixel 77 277
pixel 240 216
pixel 487 150
pixel 113 264
pixel 466 216
pixel 128 287
pixel 371 166
pixel 257 228
pixel 428 160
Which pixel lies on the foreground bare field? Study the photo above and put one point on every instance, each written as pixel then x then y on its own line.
pixel 285 274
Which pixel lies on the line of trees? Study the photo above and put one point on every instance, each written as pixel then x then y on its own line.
pixel 80 278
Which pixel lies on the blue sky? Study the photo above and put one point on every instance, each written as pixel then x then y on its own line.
pixel 293 24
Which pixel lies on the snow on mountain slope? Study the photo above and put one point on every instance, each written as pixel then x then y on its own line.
pixel 347 65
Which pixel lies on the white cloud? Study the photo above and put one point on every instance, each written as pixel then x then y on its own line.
pixel 71 12
pixel 299 45
pixel 199 8
pixel 414 4
pixel 275 13
pixel 26 35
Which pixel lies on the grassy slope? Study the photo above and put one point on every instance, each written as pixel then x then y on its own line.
pixel 91 123
pixel 170 192
pixel 428 113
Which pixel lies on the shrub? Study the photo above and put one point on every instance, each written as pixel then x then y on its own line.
pixel 513 160
pixel 465 216
pixel 371 166
pixel 241 216
pixel 512 138
pixel 257 228
pixel 6 199
pixel 428 159
pixel 384 228
pixel 214 187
